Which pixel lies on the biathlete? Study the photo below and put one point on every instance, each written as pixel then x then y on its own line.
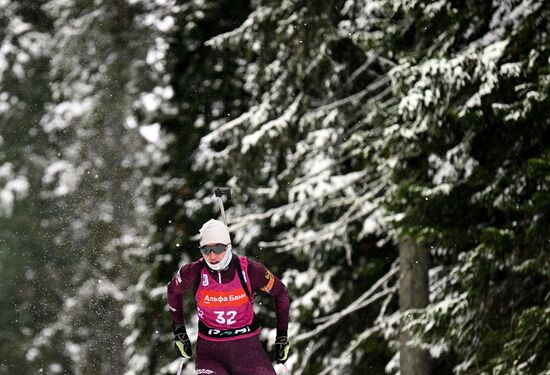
pixel 224 285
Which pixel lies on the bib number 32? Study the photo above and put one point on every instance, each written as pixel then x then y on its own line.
pixel 226 317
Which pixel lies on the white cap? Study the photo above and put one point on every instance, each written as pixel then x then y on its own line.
pixel 214 231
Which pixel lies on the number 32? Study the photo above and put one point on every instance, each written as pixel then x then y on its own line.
pixel 226 317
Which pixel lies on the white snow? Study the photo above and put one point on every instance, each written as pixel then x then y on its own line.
pixel 63 176
pixel 150 132
pixel 13 187
pixel 272 128
pixel 63 114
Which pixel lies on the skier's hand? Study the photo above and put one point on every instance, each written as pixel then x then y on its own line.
pixel 182 344
pixel 282 348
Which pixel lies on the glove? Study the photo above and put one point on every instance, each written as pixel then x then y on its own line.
pixel 182 344
pixel 282 347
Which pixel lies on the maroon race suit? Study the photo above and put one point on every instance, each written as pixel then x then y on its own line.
pixel 228 340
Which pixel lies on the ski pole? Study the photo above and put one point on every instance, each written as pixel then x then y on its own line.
pixel 180 367
pixel 286 370
pixel 220 192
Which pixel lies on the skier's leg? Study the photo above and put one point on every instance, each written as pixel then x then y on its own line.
pixel 250 358
pixel 208 359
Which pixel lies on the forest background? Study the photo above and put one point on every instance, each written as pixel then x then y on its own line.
pixel 388 159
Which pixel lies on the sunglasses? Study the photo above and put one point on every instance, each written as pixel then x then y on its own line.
pixel 218 249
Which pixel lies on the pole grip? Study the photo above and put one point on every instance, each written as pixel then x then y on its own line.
pixel 222 190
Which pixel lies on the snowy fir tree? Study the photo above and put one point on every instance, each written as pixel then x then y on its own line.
pixel 472 177
pixel 389 160
pixel 73 88
pixel 24 37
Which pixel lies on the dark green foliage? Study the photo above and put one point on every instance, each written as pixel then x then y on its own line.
pixel 206 90
pixel 274 151
pixel 341 127
pixel 487 221
pixel 21 241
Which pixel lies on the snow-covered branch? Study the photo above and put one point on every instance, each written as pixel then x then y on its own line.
pixel 363 301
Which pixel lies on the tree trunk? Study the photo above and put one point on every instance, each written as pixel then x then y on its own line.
pixel 413 293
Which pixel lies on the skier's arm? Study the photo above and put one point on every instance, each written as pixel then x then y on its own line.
pixel 262 279
pixel 182 281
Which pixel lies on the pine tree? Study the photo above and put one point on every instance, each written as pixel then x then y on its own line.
pixel 419 135
pixel 24 37
pixel 90 168
pixel 304 191
pixel 206 90
pixel 469 147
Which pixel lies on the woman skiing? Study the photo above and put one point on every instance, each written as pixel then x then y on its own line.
pixel 223 284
